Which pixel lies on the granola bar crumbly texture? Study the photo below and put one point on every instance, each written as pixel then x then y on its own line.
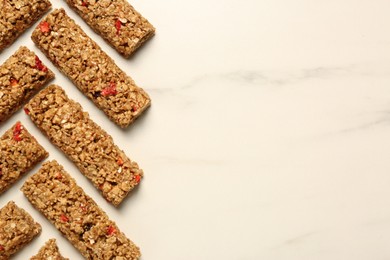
pixel 90 68
pixel 116 21
pixel 17 229
pixel 19 152
pixel 21 76
pixel 85 143
pixel 57 196
pixel 18 15
pixel 49 251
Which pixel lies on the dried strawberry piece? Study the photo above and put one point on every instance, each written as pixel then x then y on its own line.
pixel 39 65
pixel 111 230
pixel 137 178
pixel 14 82
pixel 64 218
pixel 26 110
pixel 134 108
pixel 118 26
pixel 1 248
pixel 110 90
pixel 83 3
pixel 17 131
pixel 120 161
pixel 44 27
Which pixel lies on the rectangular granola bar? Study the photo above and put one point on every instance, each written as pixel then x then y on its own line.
pixel 116 21
pixel 19 152
pixel 49 251
pixel 18 15
pixel 21 76
pixel 17 229
pixel 85 143
pixel 90 68
pixel 57 196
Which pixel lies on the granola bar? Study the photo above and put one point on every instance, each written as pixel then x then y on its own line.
pixel 85 143
pixel 116 21
pixel 49 251
pixel 17 229
pixel 21 76
pixel 19 152
pixel 54 193
pixel 90 68
pixel 18 15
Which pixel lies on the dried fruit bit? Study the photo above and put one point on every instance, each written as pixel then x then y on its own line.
pixel 96 94
pixel 44 27
pixel 17 131
pixel 118 26
pixel 1 248
pixel 26 111
pixel 110 90
pixel 83 3
pixel 39 65
pixel 137 178
pixel 134 108
pixel 120 161
pixel 58 176
pixel 13 82
pixel 64 218
pixel 87 227
pixel 111 230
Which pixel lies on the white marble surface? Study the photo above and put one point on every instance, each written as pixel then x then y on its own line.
pixel 268 137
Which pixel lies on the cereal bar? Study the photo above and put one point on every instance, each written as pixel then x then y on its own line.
pixel 85 143
pixel 21 76
pixel 19 152
pixel 18 15
pixel 116 21
pixel 90 68
pixel 17 229
pixel 57 196
pixel 49 251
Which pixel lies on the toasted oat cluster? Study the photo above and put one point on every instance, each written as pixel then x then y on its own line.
pixel 90 68
pixel 49 251
pixel 19 152
pixel 57 196
pixel 17 229
pixel 116 21
pixel 85 143
pixel 21 76
pixel 18 15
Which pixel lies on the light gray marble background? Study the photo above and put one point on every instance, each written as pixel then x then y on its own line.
pixel 268 136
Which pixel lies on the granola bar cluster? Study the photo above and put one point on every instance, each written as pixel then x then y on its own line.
pixel 17 229
pixel 57 196
pixel 85 143
pixel 18 15
pixel 116 21
pixel 21 76
pixel 90 68
pixel 49 251
pixel 19 152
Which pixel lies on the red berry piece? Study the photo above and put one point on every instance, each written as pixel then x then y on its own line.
pixel 39 65
pixel 17 131
pixel 64 218
pixel 118 26
pixel 110 90
pixel 44 27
